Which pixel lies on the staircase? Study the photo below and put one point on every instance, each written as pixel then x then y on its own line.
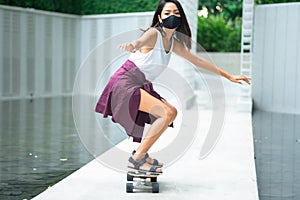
pixel 245 102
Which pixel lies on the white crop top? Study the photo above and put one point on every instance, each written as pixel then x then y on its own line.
pixel 155 61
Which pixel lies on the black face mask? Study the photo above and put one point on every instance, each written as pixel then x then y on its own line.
pixel 171 22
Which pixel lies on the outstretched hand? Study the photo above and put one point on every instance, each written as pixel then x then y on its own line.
pixel 240 79
pixel 127 47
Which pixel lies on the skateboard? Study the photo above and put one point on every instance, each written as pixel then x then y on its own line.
pixel 142 181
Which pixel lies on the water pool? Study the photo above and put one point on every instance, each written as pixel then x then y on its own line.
pixel 39 146
pixel 277 155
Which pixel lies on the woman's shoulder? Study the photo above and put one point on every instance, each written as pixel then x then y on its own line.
pixel 152 31
pixel 179 47
pixel 150 37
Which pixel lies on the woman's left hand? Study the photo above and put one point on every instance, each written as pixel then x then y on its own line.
pixel 240 79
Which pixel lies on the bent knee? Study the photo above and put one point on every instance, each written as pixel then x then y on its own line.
pixel 170 113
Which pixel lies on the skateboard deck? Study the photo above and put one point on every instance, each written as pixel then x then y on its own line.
pixel 142 181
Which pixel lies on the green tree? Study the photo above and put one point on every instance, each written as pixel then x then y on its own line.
pixel 228 8
pixel 215 34
pixel 231 9
pixel 221 31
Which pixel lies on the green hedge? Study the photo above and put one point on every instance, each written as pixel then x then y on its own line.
pixel 217 35
pixel 214 33
pixel 86 7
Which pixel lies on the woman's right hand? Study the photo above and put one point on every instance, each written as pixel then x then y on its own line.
pixel 127 47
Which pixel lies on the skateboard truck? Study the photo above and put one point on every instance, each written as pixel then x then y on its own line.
pixel 142 181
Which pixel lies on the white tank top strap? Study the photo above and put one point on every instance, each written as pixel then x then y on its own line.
pixel 160 45
pixel 158 40
pixel 155 61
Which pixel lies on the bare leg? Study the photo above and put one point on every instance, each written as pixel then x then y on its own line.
pixel 165 114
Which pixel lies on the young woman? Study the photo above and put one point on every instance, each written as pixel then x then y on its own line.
pixel 129 96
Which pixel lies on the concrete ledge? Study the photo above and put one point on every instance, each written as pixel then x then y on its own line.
pixel 227 174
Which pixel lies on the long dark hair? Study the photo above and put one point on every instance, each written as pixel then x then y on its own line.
pixel 184 30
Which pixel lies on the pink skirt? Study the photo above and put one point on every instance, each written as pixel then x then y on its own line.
pixel 120 99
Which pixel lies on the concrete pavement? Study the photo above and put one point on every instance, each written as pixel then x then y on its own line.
pixel 228 173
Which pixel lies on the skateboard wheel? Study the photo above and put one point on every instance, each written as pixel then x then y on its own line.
pixel 129 177
pixel 129 187
pixel 154 179
pixel 155 188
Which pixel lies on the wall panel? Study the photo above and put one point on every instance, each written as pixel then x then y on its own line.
pixel 276 58
pixel 41 51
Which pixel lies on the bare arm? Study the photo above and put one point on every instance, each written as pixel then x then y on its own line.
pixel 198 61
pixel 146 40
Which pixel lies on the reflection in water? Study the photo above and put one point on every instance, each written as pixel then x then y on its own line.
pixel 277 151
pixel 38 146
